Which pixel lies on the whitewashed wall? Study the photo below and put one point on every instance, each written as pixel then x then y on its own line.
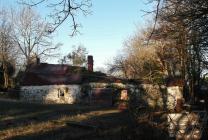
pixel 151 94
pixel 51 93
pixel 173 94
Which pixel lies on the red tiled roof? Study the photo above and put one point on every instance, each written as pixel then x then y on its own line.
pixel 52 74
pixel 56 74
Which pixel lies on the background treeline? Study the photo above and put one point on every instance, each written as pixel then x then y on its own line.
pixel 24 37
pixel 175 47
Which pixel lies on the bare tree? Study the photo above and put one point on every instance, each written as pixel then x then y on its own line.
pixel 119 67
pixel 188 20
pixel 31 36
pixel 153 62
pixel 8 50
pixel 77 57
pixel 62 10
pixel 144 61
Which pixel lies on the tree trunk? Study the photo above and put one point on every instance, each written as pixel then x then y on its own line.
pixel 6 76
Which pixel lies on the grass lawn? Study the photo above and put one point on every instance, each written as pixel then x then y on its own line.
pixel 19 120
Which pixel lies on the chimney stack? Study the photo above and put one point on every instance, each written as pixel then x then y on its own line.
pixel 90 63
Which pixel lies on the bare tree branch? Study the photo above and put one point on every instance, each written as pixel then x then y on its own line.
pixel 30 34
pixel 62 10
pixel 155 21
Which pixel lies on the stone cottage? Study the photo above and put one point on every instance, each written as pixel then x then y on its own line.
pixel 51 83
pixel 61 83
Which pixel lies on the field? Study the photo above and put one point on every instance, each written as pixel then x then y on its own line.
pixel 19 120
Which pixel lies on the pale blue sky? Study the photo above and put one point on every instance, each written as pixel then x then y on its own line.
pixel 104 31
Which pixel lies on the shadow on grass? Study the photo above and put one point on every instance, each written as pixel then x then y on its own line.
pixel 18 114
pixel 107 126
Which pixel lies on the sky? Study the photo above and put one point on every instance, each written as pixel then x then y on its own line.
pixel 103 31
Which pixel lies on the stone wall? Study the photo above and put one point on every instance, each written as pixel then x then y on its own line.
pixel 156 97
pixel 51 93
pixel 174 93
pixel 64 93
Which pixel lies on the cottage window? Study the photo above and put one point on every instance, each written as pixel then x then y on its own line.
pixel 60 93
